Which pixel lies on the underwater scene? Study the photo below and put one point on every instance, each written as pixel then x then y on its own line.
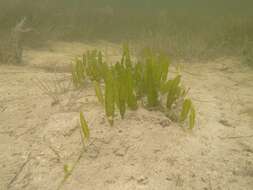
pixel 126 95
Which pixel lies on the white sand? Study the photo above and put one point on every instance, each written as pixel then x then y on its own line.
pixel 39 135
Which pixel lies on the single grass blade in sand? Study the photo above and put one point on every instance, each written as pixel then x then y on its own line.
pixel 192 118
pixel 84 127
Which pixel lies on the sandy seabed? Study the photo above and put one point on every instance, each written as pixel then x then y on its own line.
pixel 39 131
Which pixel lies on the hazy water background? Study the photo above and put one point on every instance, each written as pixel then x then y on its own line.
pixel 184 28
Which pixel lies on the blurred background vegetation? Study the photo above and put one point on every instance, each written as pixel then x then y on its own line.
pixel 188 29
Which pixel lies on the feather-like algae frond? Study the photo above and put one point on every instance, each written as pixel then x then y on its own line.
pixel 186 109
pixel 99 92
pixel 120 89
pixel 109 96
pixel 173 89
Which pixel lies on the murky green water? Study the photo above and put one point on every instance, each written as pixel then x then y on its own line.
pixel 188 29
